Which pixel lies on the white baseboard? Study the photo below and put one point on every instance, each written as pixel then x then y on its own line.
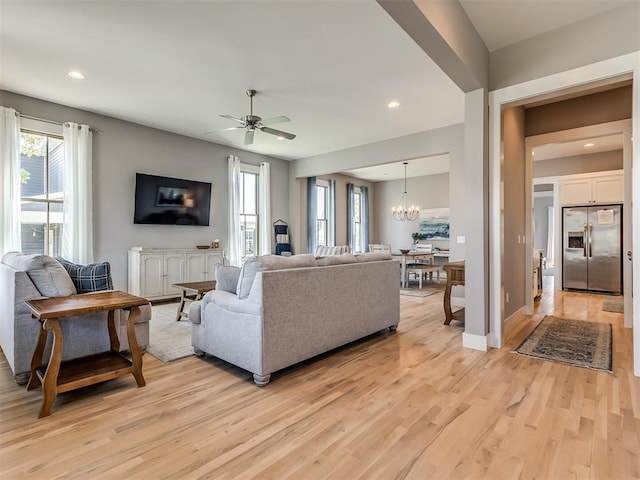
pixel 476 342
pixel 510 322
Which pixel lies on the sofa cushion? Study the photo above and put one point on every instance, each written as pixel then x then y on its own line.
pixel 278 262
pixel 89 278
pixel 250 267
pixel 254 265
pixel 337 259
pixel 46 273
pixel 227 278
pixel 373 257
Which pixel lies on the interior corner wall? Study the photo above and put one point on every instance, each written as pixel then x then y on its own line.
pixel 599 38
pixel 430 191
pixel 513 275
pixel 120 150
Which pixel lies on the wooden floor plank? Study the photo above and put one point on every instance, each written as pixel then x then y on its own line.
pixel 407 405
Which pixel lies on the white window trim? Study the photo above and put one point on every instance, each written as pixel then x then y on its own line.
pixel 327 216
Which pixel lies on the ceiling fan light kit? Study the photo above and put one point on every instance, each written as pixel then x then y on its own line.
pixel 252 122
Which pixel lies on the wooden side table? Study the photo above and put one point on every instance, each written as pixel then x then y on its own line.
pixel 192 291
pixel 455 276
pixel 61 376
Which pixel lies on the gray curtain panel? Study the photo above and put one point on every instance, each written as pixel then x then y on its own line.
pixel 312 212
pixel 351 240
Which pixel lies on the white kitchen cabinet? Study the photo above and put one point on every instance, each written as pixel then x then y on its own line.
pixel 593 189
pixel 154 271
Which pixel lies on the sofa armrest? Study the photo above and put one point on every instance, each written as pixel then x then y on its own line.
pixel 195 310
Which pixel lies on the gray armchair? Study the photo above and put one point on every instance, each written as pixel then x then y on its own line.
pixel 27 277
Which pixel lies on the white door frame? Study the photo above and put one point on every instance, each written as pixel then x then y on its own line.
pixel 622 127
pixel 605 72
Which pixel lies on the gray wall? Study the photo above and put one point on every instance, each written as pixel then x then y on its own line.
pixel 120 149
pixel 595 162
pixel 430 191
pixel 514 214
pixel 602 107
pixel 541 222
pixel 602 37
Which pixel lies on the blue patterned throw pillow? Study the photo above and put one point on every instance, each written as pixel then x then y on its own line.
pixel 89 278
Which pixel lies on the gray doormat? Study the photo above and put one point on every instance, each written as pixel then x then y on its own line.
pixel 169 339
pixel 571 342
pixel 613 304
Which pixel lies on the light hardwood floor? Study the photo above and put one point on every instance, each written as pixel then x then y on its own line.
pixel 411 404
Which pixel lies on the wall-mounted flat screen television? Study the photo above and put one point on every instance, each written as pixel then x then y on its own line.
pixel 171 201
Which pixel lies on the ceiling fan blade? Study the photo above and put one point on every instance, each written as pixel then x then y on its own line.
pixel 278 133
pixel 223 130
pixel 248 137
pixel 239 120
pixel 272 120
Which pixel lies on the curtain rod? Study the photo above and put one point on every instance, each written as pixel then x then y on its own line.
pixel 51 121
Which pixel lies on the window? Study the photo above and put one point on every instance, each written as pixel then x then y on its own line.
pixel 322 214
pixel 41 192
pixel 249 212
pixel 357 220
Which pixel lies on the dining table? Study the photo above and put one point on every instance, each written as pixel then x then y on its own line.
pixel 412 255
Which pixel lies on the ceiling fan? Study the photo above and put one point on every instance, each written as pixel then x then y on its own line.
pixel 253 122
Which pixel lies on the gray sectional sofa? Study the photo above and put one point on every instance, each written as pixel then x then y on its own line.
pixel 27 277
pixel 279 311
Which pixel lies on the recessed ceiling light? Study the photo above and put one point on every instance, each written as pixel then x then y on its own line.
pixel 587 145
pixel 280 138
pixel 75 74
pixel 393 104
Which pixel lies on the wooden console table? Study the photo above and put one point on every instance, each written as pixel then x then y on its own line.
pixel 455 276
pixel 61 376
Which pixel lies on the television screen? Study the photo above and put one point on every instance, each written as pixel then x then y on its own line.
pixel 171 201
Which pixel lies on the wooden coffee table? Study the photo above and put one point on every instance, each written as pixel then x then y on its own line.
pixel 192 291
pixel 61 376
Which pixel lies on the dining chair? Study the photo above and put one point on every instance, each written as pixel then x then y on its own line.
pixel 424 266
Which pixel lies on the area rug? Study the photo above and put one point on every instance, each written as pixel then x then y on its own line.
pixel 168 339
pixel 571 342
pixel 613 304
pixel 421 292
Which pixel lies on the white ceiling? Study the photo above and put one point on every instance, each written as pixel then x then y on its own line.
pixel 417 167
pixel 330 66
pixel 504 22
pixel 587 146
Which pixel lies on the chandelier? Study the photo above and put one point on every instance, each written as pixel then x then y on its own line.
pixel 403 212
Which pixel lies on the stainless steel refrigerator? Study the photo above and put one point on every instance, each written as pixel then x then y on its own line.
pixel 592 248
